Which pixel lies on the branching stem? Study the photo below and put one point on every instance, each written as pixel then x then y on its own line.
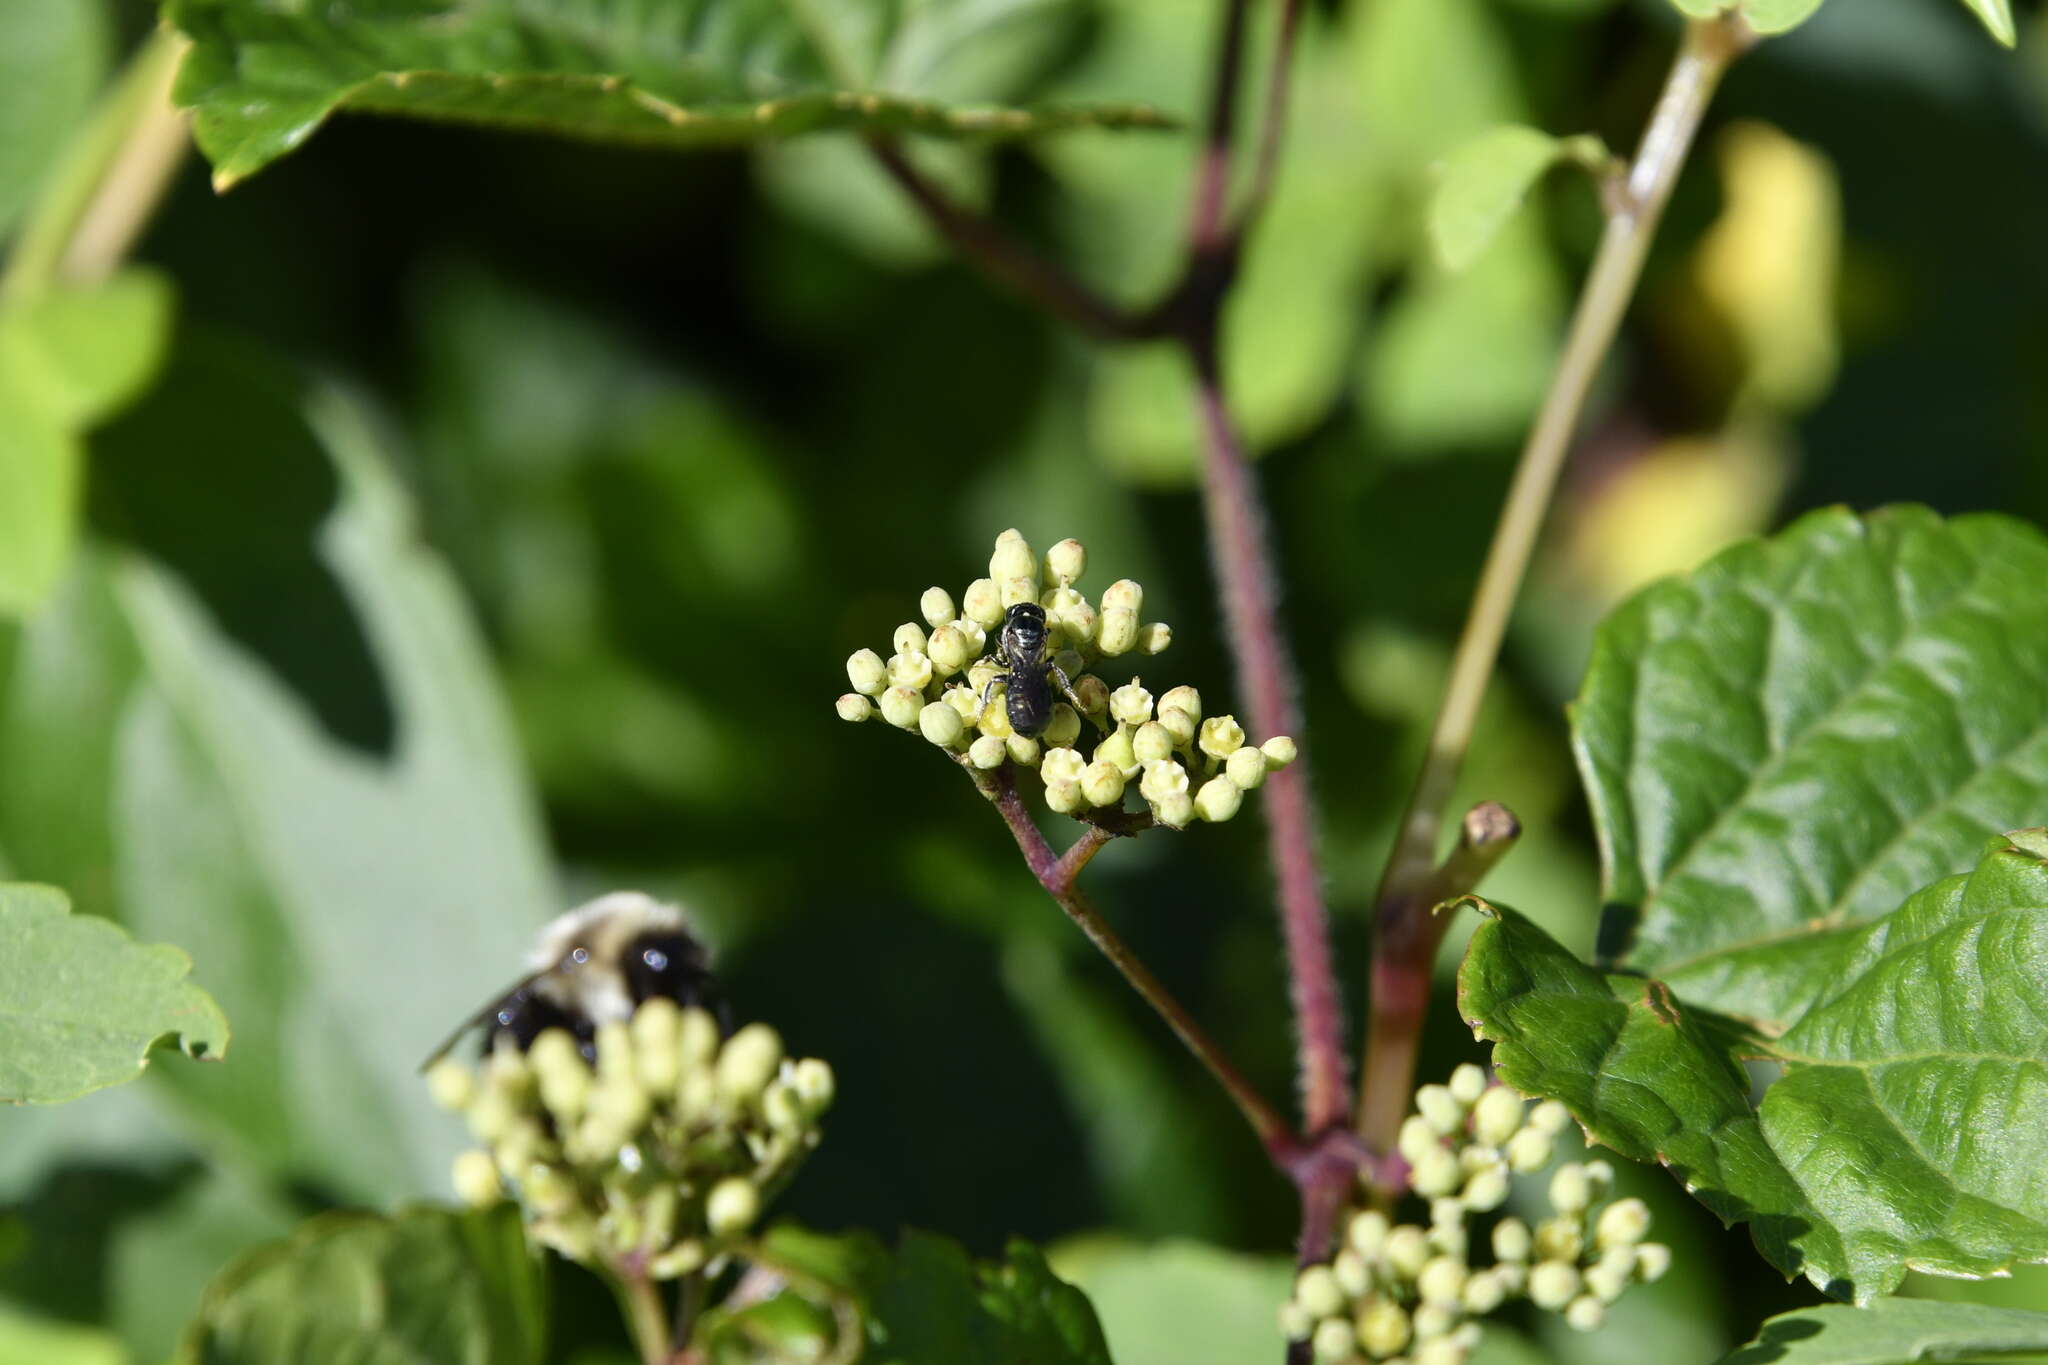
pixel 1406 936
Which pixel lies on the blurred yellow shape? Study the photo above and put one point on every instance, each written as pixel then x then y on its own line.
pixel 1669 509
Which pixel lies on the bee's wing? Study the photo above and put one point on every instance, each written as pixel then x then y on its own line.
pixel 481 1017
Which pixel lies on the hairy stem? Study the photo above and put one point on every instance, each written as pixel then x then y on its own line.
pixel 1056 874
pixel 1406 938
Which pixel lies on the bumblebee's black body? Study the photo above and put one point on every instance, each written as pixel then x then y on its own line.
pixel 597 964
pixel 1026 671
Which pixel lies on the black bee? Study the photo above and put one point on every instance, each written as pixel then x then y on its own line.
pixel 596 964
pixel 1026 670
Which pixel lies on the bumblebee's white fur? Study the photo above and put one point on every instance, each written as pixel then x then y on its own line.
pixel 602 928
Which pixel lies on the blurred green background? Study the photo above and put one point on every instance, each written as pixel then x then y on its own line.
pixel 498 528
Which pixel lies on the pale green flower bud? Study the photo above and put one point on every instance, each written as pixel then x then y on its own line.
pixel 1407 1250
pixel 1497 1116
pixel 476 1179
pixel 506 1070
pixel 1102 784
pixel 1279 752
pixel 976 637
pixel 1383 1327
pixel 983 603
pixel 1436 1173
pixel 1066 562
pixel 1069 613
pixel 1354 1276
pixel 657 1054
pixel 1064 798
pixel 1416 1137
pixel 1222 736
pixel 1439 1109
pixel 747 1062
pixel 732 1206
pixel 451 1084
pixel 1065 725
pixel 1530 1150
pixel 1022 750
pixel 866 671
pixel 964 701
pixel 563 1075
pixel 1486 1189
pixel 697 1037
pixel 1484 1292
pixel 1183 698
pixel 1442 1280
pixel 1013 558
pixel 684 1258
pixel 1246 767
pixel 1334 1340
pixel 1443 1350
pixel 697 1090
pixel 1622 1224
pixel 1017 590
pixel 1123 595
pixel 491 1114
pixel 1477 1156
pixel 1570 1189
pixel 1600 1176
pixel 1152 743
pixel 1560 1239
pixel 1061 764
pixel 614 1044
pixel 936 606
pixel 1513 1276
pixel 1368 1232
pixel 1163 779
pixel 1450 1238
pixel 900 705
pixel 1175 810
pixel 1178 724
pixel 1130 704
pixel 950 649
pixel 1467 1084
pixel 1608 1278
pixel 1116 632
pixel 1117 751
pixel 1652 1260
pixel 815 1085
pixel 1218 800
pixel 1317 1291
pixel 1154 637
pixel 987 752
pixel 1511 1240
pixel 994 719
pixel 913 671
pixel 1433 1321
pixel 1553 1284
pixel 1295 1323
pixel 1550 1117
pixel 941 724
pixel 782 1110
pixel 1585 1314
pixel 909 638
pixel 1094 694
pixel 853 706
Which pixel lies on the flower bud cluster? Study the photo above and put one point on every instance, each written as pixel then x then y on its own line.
pixel 663 1152
pixel 1410 1295
pixel 1184 766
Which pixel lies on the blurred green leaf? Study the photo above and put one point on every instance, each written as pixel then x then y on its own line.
pixel 1893 1332
pixel 52 60
pixel 1482 184
pixel 933 1306
pixel 261 81
pixel 1768 16
pixel 1176 1302
pixel 426 1285
pixel 26 1340
pixel 69 357
pixel 1904 1129
pixel 84 1004
pixel 1789 741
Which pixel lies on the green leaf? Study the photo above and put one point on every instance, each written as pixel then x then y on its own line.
pixel 1173 1302
pixel 26 1340
pixel 1892 1332
pixel 69 357
pixel 52 60
pixel 1767 16
pixel 677 73
pixel 1910 1124
pixel 1997 17
pixel 84 1004
pixel 426 1285
pixel 1794 738
pixel 933 1306
pixel 1482 184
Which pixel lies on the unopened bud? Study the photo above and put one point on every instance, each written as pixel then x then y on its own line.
pixel 866 671
pixel 1094 694
pixel 1407 1250
pixel 697 1037
pixel 1163 779
pixel 1178 724
pixel 1013 557
pixel 1496 1116
pixel 747 1062
pixel 1023 751
pixel 1130 704
pixel 1279 752
pixel 1175 810
pixel 853 706
pixel 451 1084
pixel 1530 1150
pixel 1608 1279
pixel 1152 743
pixel 1183 698
pixel 1553 1284
pixel 1622 1224
pixel 1467 1084
pixel 1550 1117
pixel 1316 1289
pixel 950 649
pixel 657 1055
pixel 1246 767
pixel 1443 1113
pixel 732 1206
pixel 1570 1189
pixel 1416 1137
pixel 1065 725
pixel 1016 591
pixel 900 705
pixel 1560 1239
pixel 987 752
pixel 1652 1260
pixel 1218 800
pixel 1383 1328
pixel 1066 562
pixel 1354 1276
pixel 1102 784
pixel 909 638
pixel 1117 632
pixel 1511 1240
pixel 1064 798
pixel 1116 750
pixel 1436 1173
pixel 476 1179
pixel 1334 1340
pixel 1442 1280
pixel 936 606
pixel 913 671
pixel 1486 1189
pixel 1154 637
pixel 1585 1314
pixel 1484 1292
pixel 1368 1232
pixel 983 603
pixel 941 724
pixel 1123 595
pixel 1295 1323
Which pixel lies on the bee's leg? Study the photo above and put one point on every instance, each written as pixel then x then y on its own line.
pixel 988 690
pixel 1066 687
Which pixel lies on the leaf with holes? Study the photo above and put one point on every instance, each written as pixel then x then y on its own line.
pixel 1788 742
pixel 83 1004
pixel 681 73
pixel 1909 1129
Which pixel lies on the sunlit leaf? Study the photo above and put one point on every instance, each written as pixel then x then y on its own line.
pixel 1167 1303
pixel 1765 16
pixel 82 1004
pixel 1482 184
pixel 685 73
pixel 1893 1332
pixel 1910 1124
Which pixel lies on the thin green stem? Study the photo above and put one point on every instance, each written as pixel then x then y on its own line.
pixel 1406 936
pixel 109 179
pixel 647 1318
